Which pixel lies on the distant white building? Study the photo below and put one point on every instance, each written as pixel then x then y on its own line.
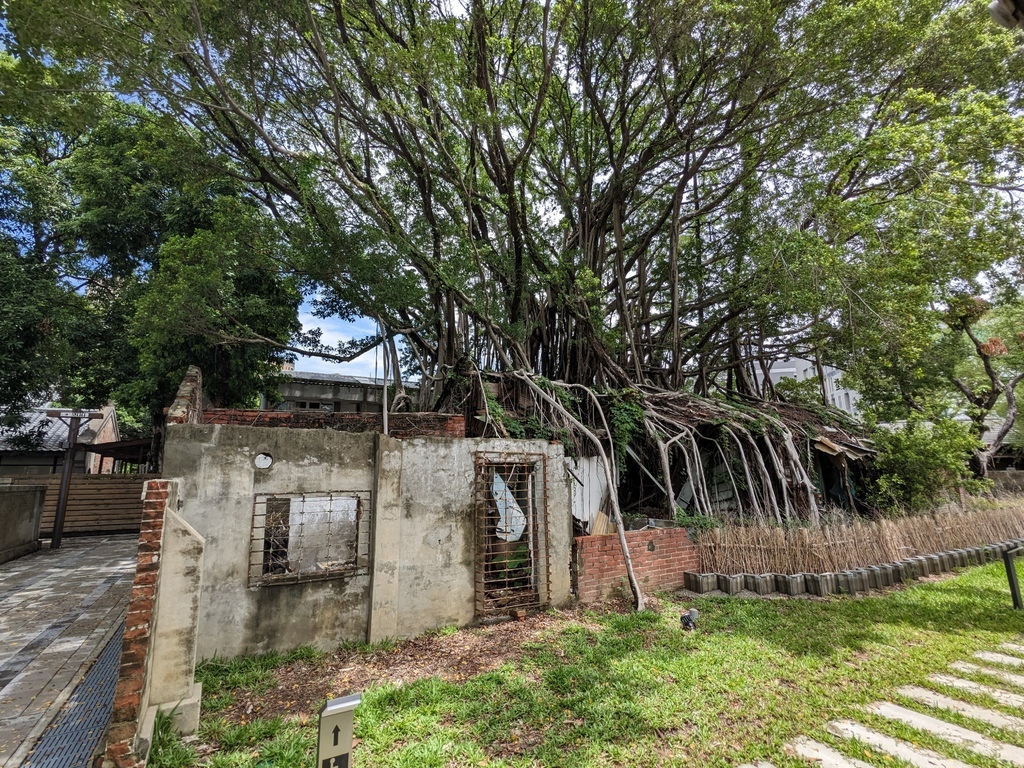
pixel 843 398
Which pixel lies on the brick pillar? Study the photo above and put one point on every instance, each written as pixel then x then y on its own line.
pixel 122 748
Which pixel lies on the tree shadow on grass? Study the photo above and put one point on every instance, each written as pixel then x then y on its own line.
pixel 639 682
pixel 969 603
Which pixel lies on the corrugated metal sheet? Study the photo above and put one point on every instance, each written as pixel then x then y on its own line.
pixel 589 488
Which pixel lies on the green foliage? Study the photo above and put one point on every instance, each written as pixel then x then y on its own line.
pixel 512 427
pixel 806 392
pixel 32 337
pixel 835 186
pixel 132 253
pixel 439 168
pixel 513 568
pixel 920 465
pixel 625 419
pixel 167 749
pixel 694 522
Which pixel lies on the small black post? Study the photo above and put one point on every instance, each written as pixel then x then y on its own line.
pixel 1011 575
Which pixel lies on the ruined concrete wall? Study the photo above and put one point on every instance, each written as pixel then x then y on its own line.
pixel 420 559
pixel 436 570
pixel 219 483
pixel 171 684
pixel 187 407
pixel 21 508
pixel 128 740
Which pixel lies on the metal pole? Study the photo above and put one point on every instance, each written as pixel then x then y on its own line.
pixel 65 482
pixel 1011 575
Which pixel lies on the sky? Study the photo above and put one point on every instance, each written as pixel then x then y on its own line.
pixel 335 331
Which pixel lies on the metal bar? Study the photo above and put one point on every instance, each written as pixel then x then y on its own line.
pixel 499 590
pixel 1011 575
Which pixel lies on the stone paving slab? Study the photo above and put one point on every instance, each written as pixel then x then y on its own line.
pixel 1006 677
pixel 916 756
pixel 934 722
pixel 955 734
pixel 824 756
pixel 999 658
pixel 981 714
pixel 58 610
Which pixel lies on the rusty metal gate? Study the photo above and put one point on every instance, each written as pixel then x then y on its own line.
pixel 513 567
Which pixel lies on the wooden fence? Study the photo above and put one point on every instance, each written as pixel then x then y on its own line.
pixel 96 503
pixel 767 549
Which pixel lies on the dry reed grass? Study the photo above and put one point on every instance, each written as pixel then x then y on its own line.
pixel 769 549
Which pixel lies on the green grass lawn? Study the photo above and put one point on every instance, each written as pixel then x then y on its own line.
pixel 635 690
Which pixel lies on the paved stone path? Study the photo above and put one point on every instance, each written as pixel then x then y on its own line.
pixel 995 670
pixel 58 610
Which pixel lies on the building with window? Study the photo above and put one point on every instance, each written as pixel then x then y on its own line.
pixel 330 392
pixel 843 398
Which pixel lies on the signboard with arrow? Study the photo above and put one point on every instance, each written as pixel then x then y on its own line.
pixel 334 746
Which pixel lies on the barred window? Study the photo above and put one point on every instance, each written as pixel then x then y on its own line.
pixel 512 559
pixel 300 537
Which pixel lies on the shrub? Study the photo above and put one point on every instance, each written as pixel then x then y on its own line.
pixel 920 464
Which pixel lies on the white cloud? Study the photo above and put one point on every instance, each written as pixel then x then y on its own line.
pixel 337 331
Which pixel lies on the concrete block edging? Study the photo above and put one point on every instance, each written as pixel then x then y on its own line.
pixel 852 581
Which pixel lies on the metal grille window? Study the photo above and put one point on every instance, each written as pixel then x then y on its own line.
pixel 512 562
pixel 309 536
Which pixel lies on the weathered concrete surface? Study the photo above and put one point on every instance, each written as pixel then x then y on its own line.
pixel 916 756
pixel 218 484
pixel 423 558
pixel 956 734
pixel 999 674
pixel 940 701
pixel 172 662
pixel 436 574
pixel 21 508
pixel 823 755
pixel 996 694
pixel 386 541
pixel 999 658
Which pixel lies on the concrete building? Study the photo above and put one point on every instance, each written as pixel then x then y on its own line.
pixel 843 398
pixel 329 392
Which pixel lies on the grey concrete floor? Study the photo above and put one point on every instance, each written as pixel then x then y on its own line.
pixel 58 609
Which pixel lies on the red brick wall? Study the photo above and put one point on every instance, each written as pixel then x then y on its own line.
pixel 187 407
pixel 399 424
pixel 124 720
pixel 660 557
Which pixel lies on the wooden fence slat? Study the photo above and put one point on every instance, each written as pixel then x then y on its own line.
pixel 96 503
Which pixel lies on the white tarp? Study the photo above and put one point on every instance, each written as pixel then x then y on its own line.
pixel 323 532
pixel 589 488
pixel 511 520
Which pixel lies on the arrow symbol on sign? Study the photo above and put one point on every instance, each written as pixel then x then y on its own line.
pixel 337 730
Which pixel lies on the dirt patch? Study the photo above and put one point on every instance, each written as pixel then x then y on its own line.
pixel 303 685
